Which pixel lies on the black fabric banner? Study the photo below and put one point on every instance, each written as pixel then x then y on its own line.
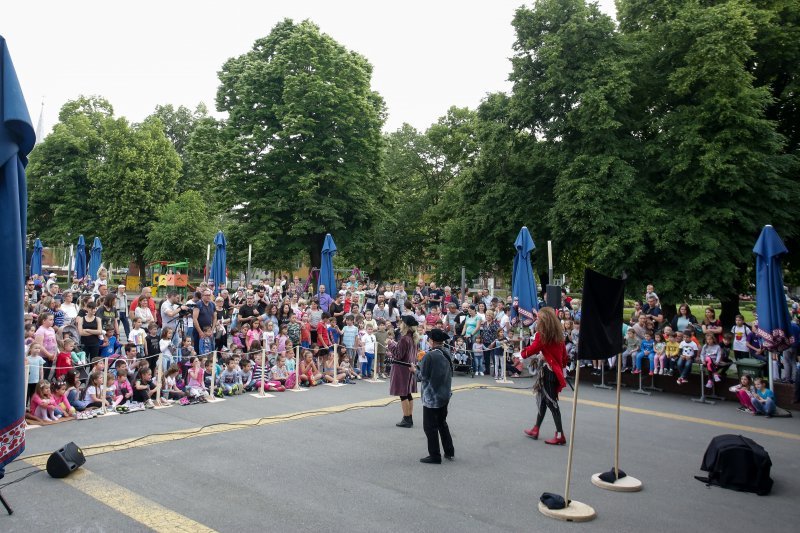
pixel 601 316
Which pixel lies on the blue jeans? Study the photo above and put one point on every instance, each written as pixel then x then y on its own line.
pixel 685 367
pixel 765 408
pixel 477 363
pixel 370 359
pixel 639 358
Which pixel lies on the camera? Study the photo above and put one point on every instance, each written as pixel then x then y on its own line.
pixel 183 313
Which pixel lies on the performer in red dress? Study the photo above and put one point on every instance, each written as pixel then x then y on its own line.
pixel 551 358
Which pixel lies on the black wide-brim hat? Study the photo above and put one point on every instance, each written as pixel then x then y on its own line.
pixel 438 335
pixel 410 321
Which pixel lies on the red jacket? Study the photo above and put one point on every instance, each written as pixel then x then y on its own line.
pixel 555 354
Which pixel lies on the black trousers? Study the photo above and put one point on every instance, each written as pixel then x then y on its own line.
pixel 434 422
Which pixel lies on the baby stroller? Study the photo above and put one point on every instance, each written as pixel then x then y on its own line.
pixel 462 362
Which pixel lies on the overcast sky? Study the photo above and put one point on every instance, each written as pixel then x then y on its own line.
pixel 427 55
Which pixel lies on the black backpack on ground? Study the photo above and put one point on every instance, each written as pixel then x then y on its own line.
pixel 738 463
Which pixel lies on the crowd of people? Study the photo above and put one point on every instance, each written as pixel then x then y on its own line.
pixel 91 348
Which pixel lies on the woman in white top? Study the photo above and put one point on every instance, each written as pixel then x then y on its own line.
pixel 143 311
pixel 69 307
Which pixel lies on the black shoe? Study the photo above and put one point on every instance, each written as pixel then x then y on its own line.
pixel 405 422
pixel 431 460
pixel 449 457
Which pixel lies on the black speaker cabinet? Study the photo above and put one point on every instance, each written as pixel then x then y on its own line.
pixel 553 296
pixel 65 460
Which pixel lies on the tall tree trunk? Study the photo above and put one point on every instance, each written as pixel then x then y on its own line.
pixel 315 249
pixel 669 311
pixel 730 308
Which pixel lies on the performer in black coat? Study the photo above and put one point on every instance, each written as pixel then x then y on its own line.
pixel 435 372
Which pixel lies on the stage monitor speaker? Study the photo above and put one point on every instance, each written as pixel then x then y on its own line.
pixel 65 460
pixel 553 296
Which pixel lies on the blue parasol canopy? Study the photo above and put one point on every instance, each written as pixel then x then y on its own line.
pixel 80 258
pixel 218 265
pixel 17 138
pixel 95 258
pixel 326 274
pixel 523 285
pixel 773 313
pixel 36 258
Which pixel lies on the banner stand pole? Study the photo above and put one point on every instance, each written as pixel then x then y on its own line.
pixel 627 483
pixel 573 511
pixel 159 379
pixel 375 378
pixel 335 382
pixel 297 387
pixel 261 393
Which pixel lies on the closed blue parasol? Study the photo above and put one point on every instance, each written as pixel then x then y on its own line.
pixel 16 141
pixel 36 258
pixel 95 258
pixel 218 265
pixel 326 274
pixel 773 314
pixel 80 259
pixel 523 286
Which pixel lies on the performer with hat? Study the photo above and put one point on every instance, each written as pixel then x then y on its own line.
pixel 551 358
pixel 435 372
pixel 401 377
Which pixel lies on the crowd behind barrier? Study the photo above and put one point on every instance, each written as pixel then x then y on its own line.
pixel 90 350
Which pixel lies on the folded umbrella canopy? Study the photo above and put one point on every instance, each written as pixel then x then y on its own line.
pixel 17 138
pixel 95 258
pixel 773 313
pixel 523 286
pixel 218 265
pixel 326 274
pixel 36 258
pixel 80 259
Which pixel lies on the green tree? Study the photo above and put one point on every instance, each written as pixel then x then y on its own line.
pixel 58 173
pixel 135 174
pixel 180 229
pixel 713 159
pixel 179 125
pixel 571 85
pixel 304 143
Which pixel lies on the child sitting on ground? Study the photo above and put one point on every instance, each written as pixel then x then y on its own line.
pixel 349 374
pixel 59 393
pixel 195 386
pixel 143 389
pixel 328 370
pixel 745 392
pixel 248 383
pixel 171 391
pixel 278 375
pixel 123 387
pixel 42 403
pixel 763 399
pixel 230 380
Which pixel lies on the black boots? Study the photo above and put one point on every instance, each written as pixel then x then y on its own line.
pixel 407 422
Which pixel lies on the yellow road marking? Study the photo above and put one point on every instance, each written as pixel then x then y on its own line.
pixel 126 502
pixel 669 416
pixel 215 429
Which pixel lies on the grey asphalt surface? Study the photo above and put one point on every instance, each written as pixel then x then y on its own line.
pixel 355 471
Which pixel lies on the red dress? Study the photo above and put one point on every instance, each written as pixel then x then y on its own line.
pixel 555 354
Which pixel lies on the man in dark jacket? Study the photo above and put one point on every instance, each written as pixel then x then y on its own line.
pixel 435 372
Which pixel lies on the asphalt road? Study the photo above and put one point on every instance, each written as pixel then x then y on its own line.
pixel 351 469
